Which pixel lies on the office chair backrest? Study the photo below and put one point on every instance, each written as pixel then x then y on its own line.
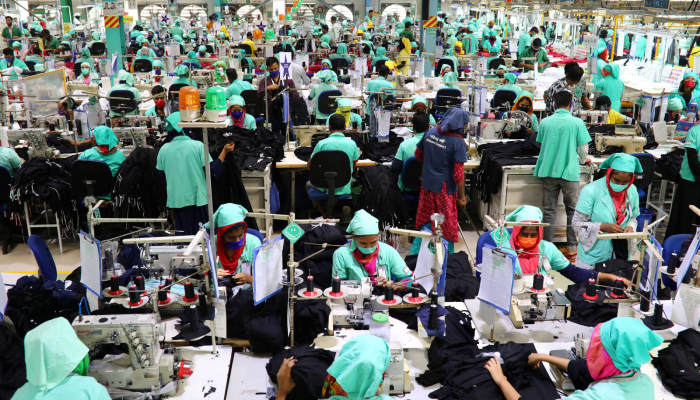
pixel 210 48
pixel 191 65
pixel 447 98
pixel 97 172
pixel 325 103
pixel 330 161
pixel 643 179
pixel 98 49
pixel 122 106
pixel 412 173
pixel 43 257
pixel 251 102
pixel 338 65
pixel 5 184
pixel 378 64
pixel 501 97
pixel 143 65
pixel 174 95
pixel 483 240
pixel 442 62
pixel 247 48
pixel 257 234
pixel 30 65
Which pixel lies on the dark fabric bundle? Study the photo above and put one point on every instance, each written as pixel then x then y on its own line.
pixel 309 373
pixel 228 187
pixel 375 150
pixel 381 197
pixel 494 156
pixel 303 153
pixel 677 365
pixel 13 371
pixel 32 302
pixel 319 266
pixel 460 282
pixel 63 145
pixel 669 165
pixel 587 313
pixel 255 150
pixel 47 180
pixel 138 191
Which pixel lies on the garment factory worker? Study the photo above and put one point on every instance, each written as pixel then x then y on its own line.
pixel 381 56
pixel 470 43
pixel 182 162
pixel 86 76
pixel 617 351
pixel 237 86
pixel 104 149
pixel 341 52
pixel 451 38
pixel 611 85
pixel 202 52
pixel 573 82
pixel 486 32
pixel 126 82
pixel 420 104
pixel 534 254
pixel 447 67
pixel 17 48
pixel 491 44
pixel 249 41
pixel 404 58
pixel 450 81
pixel 325 36
pixel 58 371
pixel 526 39
pixel 443 153
pixel 234 245
pixel 176 29
pixel 564 141
pixel 525 103
pixel 10 160
pixel 345 109
pixel 509 79
pixel 158 71
pixel 159 110
pixel 367 256
pixel 86 58
pixel 146 52
pixel 376 85
pixel 407 33
pixel 675 110
pixel 534 51
pixel 600 53
pixel 14 65
pixel 688 91
pixel 407 148
pixel 325 76
pixel 245 62
pixel 11 31
pixel 551 30
pixel 182 73
pixel 614 117
pixel 35 56
pixel 611 205
pixel 326 65
pixel 682 219
pixel 192 59
pixel 641 46
pixel 237 115
pixel 337 141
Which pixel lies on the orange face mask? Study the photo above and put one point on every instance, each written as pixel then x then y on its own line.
pixel 527 242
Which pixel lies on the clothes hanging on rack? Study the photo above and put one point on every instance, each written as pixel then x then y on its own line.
pixel 138 191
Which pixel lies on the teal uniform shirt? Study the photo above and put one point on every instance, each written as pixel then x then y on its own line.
pixel 641 47
pixel 185 80
pixel 326 38
pixel 546 249
pixel 692 139
pixel 182 160
pixel 338 141
pixel 379 58
pixel 612 86
pixel 176 31
pixel 237 87
pixel 16 32
pixel 376 85
pixel 561 134
pixel 595 200
pixel 152 112
pixel 114 160
pixel 390 265
pixel 124 86
pixel 248 122
pixel 38 60
pixel 695 96
pixel 10 160
pixel 524 42
pixel 541 58
pixel 624 387
pixel 316 92
pixel 407 149
pixel 511 86
pixel 470 43
pixel 15 63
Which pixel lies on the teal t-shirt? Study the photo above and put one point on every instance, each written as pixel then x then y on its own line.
pixel 691 142
pixel 10 160
pixel 560 134
pixel 182 160
pixel 338 141
pixel 390 264
pixel 114 160
pixel 407 149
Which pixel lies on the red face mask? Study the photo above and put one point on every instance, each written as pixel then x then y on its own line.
pixel 492 41
pixel 160 103
pixel 689 83
pixel 103 148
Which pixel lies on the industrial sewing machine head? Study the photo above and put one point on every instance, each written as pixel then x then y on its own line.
pixel 536 299
pixel 350 306
pixel 74 86
pixel 203 76
pixel 135 359
pixel 629 144
pixel 131 138
pixel 35 140
pixel 593 116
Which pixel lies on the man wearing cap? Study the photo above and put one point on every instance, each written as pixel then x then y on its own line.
pixel 366 256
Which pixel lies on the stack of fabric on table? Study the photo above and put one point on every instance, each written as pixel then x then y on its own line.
pixel 495 156
pixel 138 191
pixel 678 365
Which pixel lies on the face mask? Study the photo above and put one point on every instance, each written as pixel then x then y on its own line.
pixel 617 188
pixel 527 242
pixel 365 250
pixel 9 60
pixel 103 148
pixel 324 68
pixel 237 114
pixel 492 41
pixel 524 109
pixel 689 83
pixel 62 112
pixel 157 71
pixel 201 54
pixel 274 74
pixel 160 103
pixel 235 245
pixel 221 71
pixel 85 71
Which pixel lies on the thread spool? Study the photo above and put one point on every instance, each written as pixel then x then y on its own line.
pixel 618 292
pixel 335 285
pixel 538 283
pixel 134 297
pixel 433 317
pixel 162 295
pixel 415 293
pixel 310 291
pixel 290 276
pixel 591 291
pixel 672 263
pixel 203 306
pixel 169 283
pixel 433 297
pixel 658 314
pixel 189 292
pixel 194 318
pixel 688 274
pixel 388 293
pixel 114 286
pixel 140 283
pixel 644 302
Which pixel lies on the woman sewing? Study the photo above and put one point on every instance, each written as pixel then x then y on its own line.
pixel 525 104
pixel 610 205
pixel 237 114
pixel 234 245
pixel 688 91
pixel 682 218
pixel 611 369
pixel 352 120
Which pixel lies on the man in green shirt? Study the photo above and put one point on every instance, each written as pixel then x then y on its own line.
pixel 337 141
pixel 51 44
pixel 564 141
pixel 11 31
pixel 534 51
pixel 407 33
pixel 376 85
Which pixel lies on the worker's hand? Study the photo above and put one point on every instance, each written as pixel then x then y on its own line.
pixel 242 278
pixel 220 273
pixel 588 161
pixel 285 384
pixel 611 228
pixel 272 87
pixel 534 360
pixel 494 368
pixel 229 148
pixel 604 276
pixel 629 229
pixel 462 202
pixel 382 281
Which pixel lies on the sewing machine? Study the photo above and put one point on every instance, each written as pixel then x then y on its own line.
pixel 579 351
pixel 144 366
pixel 203 77
pixel 529 305
pixel 397 379
pixel 166 260
pixel 625 130
pixel 593 116
pixel 354 308
pixel 137 135
pixel 140 120
pixel 305 133
pixel 36 141
pixel 629 144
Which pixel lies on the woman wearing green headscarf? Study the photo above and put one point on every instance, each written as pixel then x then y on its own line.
pixel 451 38
pixel 509 84
pixel 381 56
pixel 420 104
pixel 183 73
pixel 341 52
pixel 95 39
pixel 682 218
pixel 104 149
pixel 611 205
pixel 525 103
pixel 57 372
pixel 449 55
pixel 126 82
pixel 326 76
pixel 326 65
pixel 177 30
pixel 192 59
pixel 85 58
pixel 689 90
pixel 450 80
pixel 641 46
pixel 599 53
pixel 611 369
pixel 470 43
pixel 237 115
pixel 611 85
pixel 245 62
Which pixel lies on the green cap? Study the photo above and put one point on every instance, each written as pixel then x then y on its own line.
pixel 380 318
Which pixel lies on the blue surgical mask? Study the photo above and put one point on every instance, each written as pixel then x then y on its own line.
pixel 365 250
pixel 237 114
pixel 617 188
pixel 235 245
pixel 61 112
pixel 157 71
pixel 202 54
pixel 324 68
pixel 8 60
pixel 274 73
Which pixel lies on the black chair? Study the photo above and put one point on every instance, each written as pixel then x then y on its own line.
pixel 339 64
pixel 411 177
pixel 325 104
pixel 76 69
pixel 30 65
pixel 445 99
pixel 496 62
pixel 251 102
pixel 125 104
pixel 143 65
pixel 378 64
pixel 210 48
pixel 91 178
pixel 247 48
pixel 246 65
pixel 174 95
pixel 98 49
pixel 442 62
pixel 330 169
pixel 503 98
